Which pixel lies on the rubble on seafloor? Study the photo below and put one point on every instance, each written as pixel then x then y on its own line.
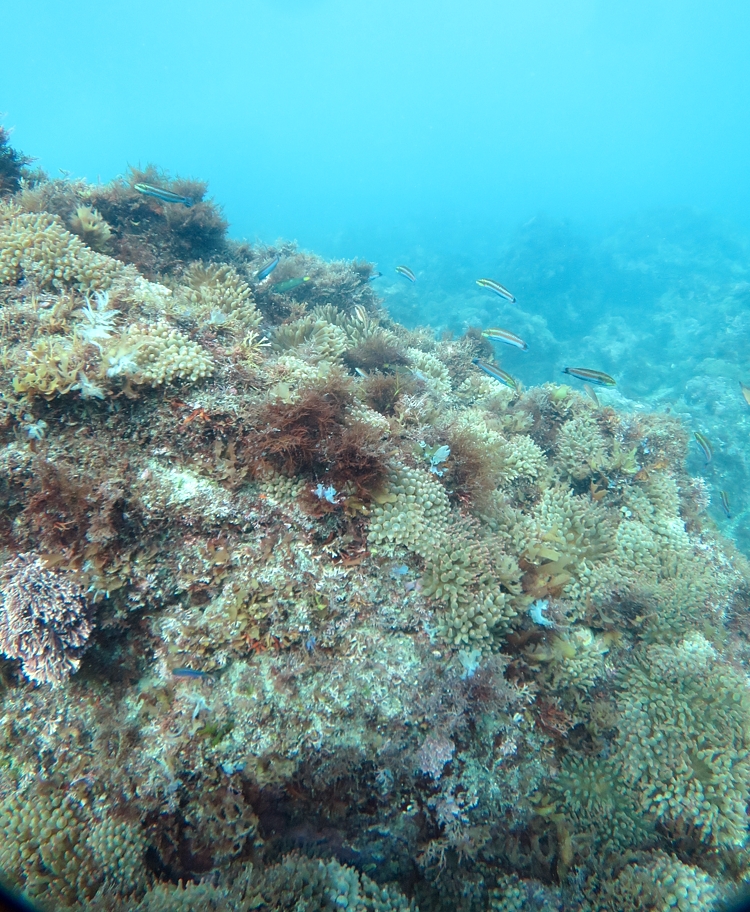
pixel 300 610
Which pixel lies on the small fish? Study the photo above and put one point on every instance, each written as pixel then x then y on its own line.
pixel 406 272
pixel 497 288
pixel 502 335
pixel 266 271
pixel 725 503
pixel 496 373
pixel 373 276
pixel 289 284
pixel 705 444
pixel 583 373
pixel 591 393
pixel 166 196
pixel 189 673
pixel 745 392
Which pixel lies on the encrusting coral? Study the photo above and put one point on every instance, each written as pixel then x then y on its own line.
pixel 310 582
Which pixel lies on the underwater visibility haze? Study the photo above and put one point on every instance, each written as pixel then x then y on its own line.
pixel 374 472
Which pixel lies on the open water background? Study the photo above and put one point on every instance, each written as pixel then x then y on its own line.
pixel 592 155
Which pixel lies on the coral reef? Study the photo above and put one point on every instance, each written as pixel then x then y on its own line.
pixel 334 620
pixel 44 620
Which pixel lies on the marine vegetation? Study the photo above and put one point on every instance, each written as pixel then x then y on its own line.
pixel 301 609
pixel 14 166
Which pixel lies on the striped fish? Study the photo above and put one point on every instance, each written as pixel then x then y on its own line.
pixel 266 271
pixel 592 376
pixel 497 373
pixel 591 393
pixel 406 272
pixel 166 196
pixel 497 288
pixel 705 444
pixel 502 335
pixel 745 392
pixel 725 503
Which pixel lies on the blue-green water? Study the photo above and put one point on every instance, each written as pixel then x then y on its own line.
pixel 592 157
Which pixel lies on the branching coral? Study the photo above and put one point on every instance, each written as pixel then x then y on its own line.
pixel 474 581
pixel 62 855
pixel 314 339
pixel 219 294
pixel 412 512
pixel 574 535
pixel 309 884
pixel 156 354
pixel 39 249
pixel 685 734
pixel 661 882
pixel 44 620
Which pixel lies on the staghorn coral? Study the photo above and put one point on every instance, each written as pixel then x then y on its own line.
pixel 38 248
pixel 44 620
pixel 62 855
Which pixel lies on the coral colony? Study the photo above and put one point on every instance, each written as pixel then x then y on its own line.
pixel 300 609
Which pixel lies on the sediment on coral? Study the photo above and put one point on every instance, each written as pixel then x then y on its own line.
pixel 333 618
